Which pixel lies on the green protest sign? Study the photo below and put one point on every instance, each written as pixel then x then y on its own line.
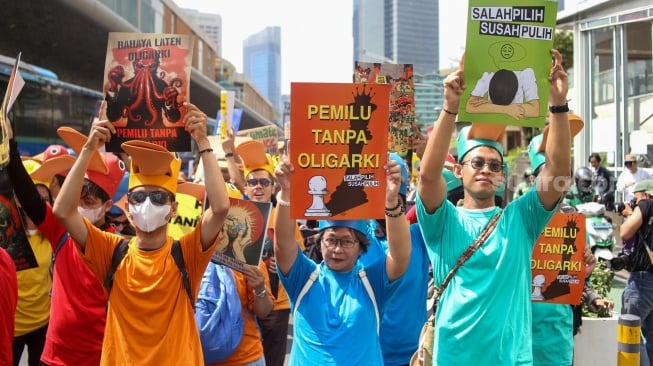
pixel 507 61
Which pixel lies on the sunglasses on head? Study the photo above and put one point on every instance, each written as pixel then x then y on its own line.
pixel 158 198
pixel 253 182
pixel 478 164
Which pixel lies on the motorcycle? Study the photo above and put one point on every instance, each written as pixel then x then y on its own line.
pixel 599 229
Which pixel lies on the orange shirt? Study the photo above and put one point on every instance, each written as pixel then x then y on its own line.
pixel 250 348
pixel 150 320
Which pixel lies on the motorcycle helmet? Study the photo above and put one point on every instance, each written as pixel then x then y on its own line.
pixel 583 179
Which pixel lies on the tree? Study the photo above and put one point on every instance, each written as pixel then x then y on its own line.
pixel 563 41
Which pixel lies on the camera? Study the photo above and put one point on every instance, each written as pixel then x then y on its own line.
pixel 620 206
pixel 623 260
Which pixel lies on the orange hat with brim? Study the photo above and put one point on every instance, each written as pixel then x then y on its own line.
pixel 254 157
pixel 480 134
pixel 55 165
pixel 191 189
pixel 104 169
pixel 152 165
pixel 576 124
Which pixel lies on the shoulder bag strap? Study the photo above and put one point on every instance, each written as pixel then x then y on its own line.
pixel 468 253
pixel 311 279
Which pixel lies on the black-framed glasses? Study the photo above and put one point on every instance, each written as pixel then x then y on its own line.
pixel 628 163
pixel 158 198
pixel 343 242
pixel 478 164
pixel 253 182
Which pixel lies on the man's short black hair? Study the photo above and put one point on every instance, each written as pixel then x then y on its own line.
pixel 595 156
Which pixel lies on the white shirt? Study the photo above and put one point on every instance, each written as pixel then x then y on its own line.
pixel 627 177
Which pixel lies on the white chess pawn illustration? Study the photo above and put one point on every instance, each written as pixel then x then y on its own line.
pixel 317 187
pixel 538 282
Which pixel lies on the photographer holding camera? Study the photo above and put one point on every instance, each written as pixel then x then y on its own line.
pixel 637 299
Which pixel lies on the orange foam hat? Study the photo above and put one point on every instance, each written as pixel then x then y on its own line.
pixel 152 165
pixel 254 157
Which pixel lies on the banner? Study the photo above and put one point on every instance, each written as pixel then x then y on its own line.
pixel 146 81
pixel 508 61
pixel 558 261
pixel 268 135
pixel 402 100
pixel 338 147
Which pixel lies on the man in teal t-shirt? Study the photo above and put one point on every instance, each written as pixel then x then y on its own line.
pixel 484 316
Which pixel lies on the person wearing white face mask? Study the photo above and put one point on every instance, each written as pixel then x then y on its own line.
pixel 150 319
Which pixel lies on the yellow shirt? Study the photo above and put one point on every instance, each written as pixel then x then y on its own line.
pixel 150 320
pixel 34 284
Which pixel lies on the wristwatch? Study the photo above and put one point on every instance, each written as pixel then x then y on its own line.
pixel 559 108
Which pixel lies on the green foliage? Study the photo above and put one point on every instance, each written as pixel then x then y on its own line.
pixel 601 280
pixel 563 41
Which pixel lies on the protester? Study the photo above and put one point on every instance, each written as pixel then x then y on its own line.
pixel 78 304
pixel 484 315
pixel 259 186
pixel 150 316
pixel 630 176
pixel 524 185
pixel 8 301
pixel 603 182
pixel 337 320
pixel 581 191
pixel 637 298
pixel 400 329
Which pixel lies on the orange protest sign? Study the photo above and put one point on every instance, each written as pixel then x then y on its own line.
pixel 557 261
pixel 338 146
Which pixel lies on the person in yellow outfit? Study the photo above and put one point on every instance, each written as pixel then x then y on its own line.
pixel 150 319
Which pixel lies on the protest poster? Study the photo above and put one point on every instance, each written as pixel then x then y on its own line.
pixel 190 199
pixel 402 100
pixel 12 231
pixel 508 61
pixel 558 261
pixel 243 234
pixel 268 135
pixel 146 81
pixel 338 148
pixel 14 87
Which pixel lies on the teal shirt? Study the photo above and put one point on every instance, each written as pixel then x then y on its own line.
pixel 484 317
pixel 553 334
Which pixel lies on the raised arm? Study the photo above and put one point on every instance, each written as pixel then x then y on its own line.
pixel 397 228
pixel 285 246
pixel 432 188
pixel 65 207
pixel 216 192
pixel 232 159
pixel 550 185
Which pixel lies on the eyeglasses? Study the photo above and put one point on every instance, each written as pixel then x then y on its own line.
pixel 263 182
pixel 118 223
pixel 343 242
pixel 628 163
pixel 478 164
pixel 158 198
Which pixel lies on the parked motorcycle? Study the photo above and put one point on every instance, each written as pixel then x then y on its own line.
pixel 599 229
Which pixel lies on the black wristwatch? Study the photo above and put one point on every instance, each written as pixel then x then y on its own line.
pixel 559 108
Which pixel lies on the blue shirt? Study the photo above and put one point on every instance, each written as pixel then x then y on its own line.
pixel 335 323
pixel 405 312
pixel 484 316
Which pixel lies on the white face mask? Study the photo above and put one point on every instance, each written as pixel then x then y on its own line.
pixel 92 214
pixel 149 217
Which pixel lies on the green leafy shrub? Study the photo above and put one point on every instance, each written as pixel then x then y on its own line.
pixel 601 280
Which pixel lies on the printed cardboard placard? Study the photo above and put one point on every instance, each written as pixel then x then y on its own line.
pixel 558 261
pixel 402 100
pixel 243 234
pixel 146 81
pixel 338 147
pixel 268 135
pixel 508 61
pixel 12 231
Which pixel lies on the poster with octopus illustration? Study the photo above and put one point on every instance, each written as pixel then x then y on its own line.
pixel 12 231
pixel 402 100
pixel 558 261
pixel 243 234
pixel 146 81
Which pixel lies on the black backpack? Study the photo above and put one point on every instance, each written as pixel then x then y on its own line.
pixel 121 250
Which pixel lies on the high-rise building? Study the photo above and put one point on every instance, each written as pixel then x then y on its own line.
pixel 404 32
pixel 211 24
pixel 262 63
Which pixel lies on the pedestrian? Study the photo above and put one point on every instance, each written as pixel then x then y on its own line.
pixel 337 305
pixel 630 176
pixel 150 319
pixel 603 182
pixel 78 302
pixel 484 315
